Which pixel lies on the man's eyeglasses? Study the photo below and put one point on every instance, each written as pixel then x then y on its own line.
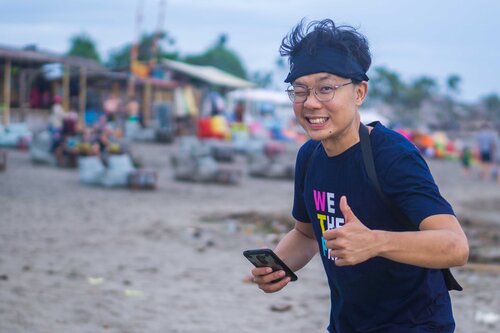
pixel 324 93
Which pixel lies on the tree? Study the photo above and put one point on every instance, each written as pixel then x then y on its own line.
pixel 452 111
pixel 405 99
pixel 491 104
pixel 387 87
pixel 262 79
pixel 421 89
pixel 83 45
pixel 150 48
pixel 453 83
pixel 219 56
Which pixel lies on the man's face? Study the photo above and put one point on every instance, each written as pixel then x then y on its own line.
pixel 328 120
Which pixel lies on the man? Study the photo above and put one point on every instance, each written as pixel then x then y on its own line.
pixel 382 278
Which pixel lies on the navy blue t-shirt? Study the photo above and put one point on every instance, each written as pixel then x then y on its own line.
pixel 378 295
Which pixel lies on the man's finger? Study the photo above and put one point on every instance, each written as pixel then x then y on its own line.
pixel 258 271
pixel 346 210
pixel 274 287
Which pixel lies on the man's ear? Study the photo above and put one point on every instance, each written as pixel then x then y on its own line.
pixel 361 92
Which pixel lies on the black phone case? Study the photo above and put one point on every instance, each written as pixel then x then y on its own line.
pixel 267 258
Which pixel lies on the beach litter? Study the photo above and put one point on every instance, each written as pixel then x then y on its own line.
pixel 486 317
pixel 133 293
pixel 94 281
pixel 281 307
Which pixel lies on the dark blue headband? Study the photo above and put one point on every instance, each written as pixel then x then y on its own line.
pixel 325 59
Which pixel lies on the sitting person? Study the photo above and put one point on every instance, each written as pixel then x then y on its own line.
pixel 109 142
pixel 66 151
pixel 88 145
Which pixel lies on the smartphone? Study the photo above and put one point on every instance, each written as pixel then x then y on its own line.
pixel 267 258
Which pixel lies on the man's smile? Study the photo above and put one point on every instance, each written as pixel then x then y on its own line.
pixel 316 120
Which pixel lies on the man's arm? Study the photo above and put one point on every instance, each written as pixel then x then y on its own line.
pixel 298 246
pixel 440 243
pixel 296 249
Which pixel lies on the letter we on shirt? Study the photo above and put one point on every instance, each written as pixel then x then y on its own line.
pixel 324 203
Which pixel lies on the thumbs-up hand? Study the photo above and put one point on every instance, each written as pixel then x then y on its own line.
pixel 352 243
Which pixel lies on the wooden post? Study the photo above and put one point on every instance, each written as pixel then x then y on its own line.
pixel 146 103
pixel 23 77
pixel 65 96
pixel 131 87
pixel 6 93
pixel 82 105
pixel 55 88
pixel 115 89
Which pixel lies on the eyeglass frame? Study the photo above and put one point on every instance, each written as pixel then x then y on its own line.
pixel 290 91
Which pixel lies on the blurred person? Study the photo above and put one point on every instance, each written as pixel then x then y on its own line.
pixel 239 112
pixel 466 159
pixel 57 115
pixel 111 107
pixel 55 123
pixel 109 142
pixel 382 277
pixel 496 166
pixel 487 142
pixel 88 144
pixel 66 151
pixel 133 108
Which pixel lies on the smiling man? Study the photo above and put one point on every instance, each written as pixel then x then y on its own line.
pixel 382 276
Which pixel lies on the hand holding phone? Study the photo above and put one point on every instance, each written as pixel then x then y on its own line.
pixel 267 258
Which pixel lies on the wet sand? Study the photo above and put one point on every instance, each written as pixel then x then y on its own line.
pixel 76 258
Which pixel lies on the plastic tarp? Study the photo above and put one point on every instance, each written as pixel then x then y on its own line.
pixel 12 135
pixel 119 167
pixel 40 148
pixel 91 170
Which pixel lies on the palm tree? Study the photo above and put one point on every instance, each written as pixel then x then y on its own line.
pixel 83 45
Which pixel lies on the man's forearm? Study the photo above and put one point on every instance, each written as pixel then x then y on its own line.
pixel 426 248
pixel 296 249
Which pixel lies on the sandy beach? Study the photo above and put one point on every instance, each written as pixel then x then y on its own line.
pixel 76 258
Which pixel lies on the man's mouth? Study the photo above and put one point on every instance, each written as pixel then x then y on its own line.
pixel 317 120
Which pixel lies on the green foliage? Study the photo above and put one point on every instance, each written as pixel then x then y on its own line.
pixel 491 103
pixel 453 83
pixel 120 58
pixel 418 91
pixel 262 79
pixel 405 99
pixel 83 45
pixel 221 57
pixel 386 86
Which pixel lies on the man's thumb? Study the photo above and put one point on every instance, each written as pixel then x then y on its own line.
pixel 346 210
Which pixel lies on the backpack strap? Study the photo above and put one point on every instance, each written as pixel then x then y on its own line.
pixel 368 161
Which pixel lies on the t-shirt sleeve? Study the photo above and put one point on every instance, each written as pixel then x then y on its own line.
pixel 408 182
pixel 299 211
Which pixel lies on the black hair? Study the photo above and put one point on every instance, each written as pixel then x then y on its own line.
pixel 344 38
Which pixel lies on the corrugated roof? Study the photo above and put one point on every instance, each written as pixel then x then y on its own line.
pixel 208 74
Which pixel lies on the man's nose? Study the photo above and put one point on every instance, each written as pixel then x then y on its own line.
pixel 312 100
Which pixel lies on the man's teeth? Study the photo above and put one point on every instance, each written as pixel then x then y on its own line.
pixel 317 120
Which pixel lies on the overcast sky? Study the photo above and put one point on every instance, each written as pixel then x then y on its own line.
pixel 425 37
